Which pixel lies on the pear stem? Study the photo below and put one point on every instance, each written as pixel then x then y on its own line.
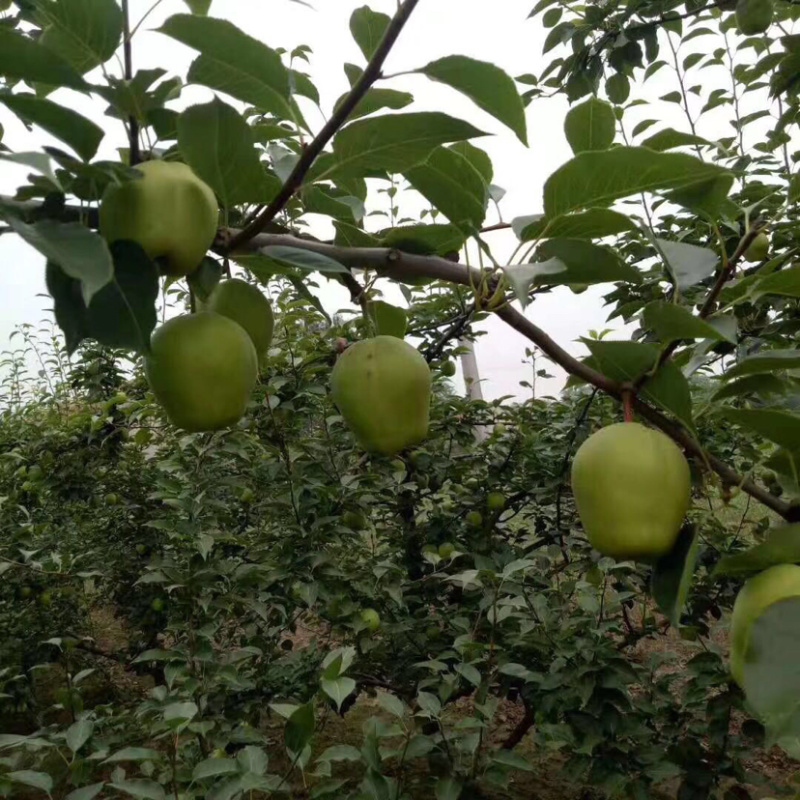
pixel 627 406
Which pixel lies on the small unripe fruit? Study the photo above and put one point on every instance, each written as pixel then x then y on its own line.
pixel 495 501
pixel 112 499
pixel 371 619
pixel 45 599
pixel 448 369
pixel 35 473
pixel 754 16
pixel 28 486
pixel 446 549
pixel 69 643
pixel 474 519
pixel 25 592
pixel 141 549
pixel 247 495
pixel 354 520
pixel 758 249
pixel 157 604
pixel 499 429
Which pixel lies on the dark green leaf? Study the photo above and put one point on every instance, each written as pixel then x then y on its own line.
pixel 424 240
pixel 368 27
pixel 200 7
pixel 448 789
pixel 204 279
pixel 392 142
pixel 599 177
pixel 377 99
pixel 785 283
pixel 592 224
pixel 452 185
pixel 590 126
pixel 670 322
pixel 670 138
pixel 762 385
pixel 231 61
pixel 86 792
pixel 350 236
pixel 214 767
pixel 782 546
pixel 304 259
pixel 672 575
pixel 486 85
pixel 121 314
pixel 23 59
pixel 218 145
pixel 779 427
pixel 299 728
pixel 618 88
pixel 37 780
pixel 143 789
pixel 85 33
pixel 765 361
pixel 82 135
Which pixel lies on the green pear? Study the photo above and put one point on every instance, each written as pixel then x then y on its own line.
pixel 754 16
pixel 202 369
pixel 632 487
pixel 169 211
pixel 371 618
pixel 759 248
pixel 756 596
pixel 244 303
pixel 382 387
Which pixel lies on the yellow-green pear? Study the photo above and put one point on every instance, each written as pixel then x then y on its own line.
pixel 759 248
pixel 754 16
pixel 202 368
pixel 382 387
pixel 756 596
pixel 632 487
pixel 245 303
pixel 169 211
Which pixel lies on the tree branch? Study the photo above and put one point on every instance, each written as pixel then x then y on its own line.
pixel 398 265
pixel 134 157
pixel 338 118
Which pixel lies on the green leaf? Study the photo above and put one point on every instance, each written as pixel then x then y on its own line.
pixel 508 758
pixel 200 7
pixel 147 790
pixel 672 575
pixel 303 259
pixel 488 86
pixel 590 126
pixel 628 361
pixel 392 142
pixel 592 224
pixel 121 314
pixel 671 322
pixel 670 138
pixel 779 427
pixel 424 239
pixel 205 278
pixel 339 689
pixel 85 792
pixel 348 235
pixel 180 712
pixel 327 787
pixel 39 161
pixel 340 752
pixel 78 734
pixel 762 385
pixel 81 253
pixel 469 673
pixel 688 263
pixel 389 320
pixel 230 61
pixel 569 261
pixel 785 283
pixel 133 754
pixel 448 789
pixel 299 728
pixel 600 177
pixel 782 546
pixel 85 33
pixel 253 760
pixel 81 134
pixel 27 777
pixel 452 185
pixel 377 99
pixel 213 767
pixel 394 705
pixel 25 60
pixel 218 145
pixel 368 27
pixel 765 361
pixel 618 88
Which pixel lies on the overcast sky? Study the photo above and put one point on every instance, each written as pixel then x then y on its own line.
pixel 491 31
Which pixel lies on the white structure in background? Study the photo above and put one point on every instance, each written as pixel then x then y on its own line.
pixel 472 380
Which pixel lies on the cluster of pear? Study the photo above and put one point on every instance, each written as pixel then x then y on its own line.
pixel 202 367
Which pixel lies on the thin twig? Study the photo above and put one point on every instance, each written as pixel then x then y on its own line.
pixel 134 157
pixel 338 118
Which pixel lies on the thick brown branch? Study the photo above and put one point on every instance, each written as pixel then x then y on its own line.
pixel 398 265
pixel 338 118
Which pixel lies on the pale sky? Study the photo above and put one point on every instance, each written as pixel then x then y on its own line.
pixel 496 32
